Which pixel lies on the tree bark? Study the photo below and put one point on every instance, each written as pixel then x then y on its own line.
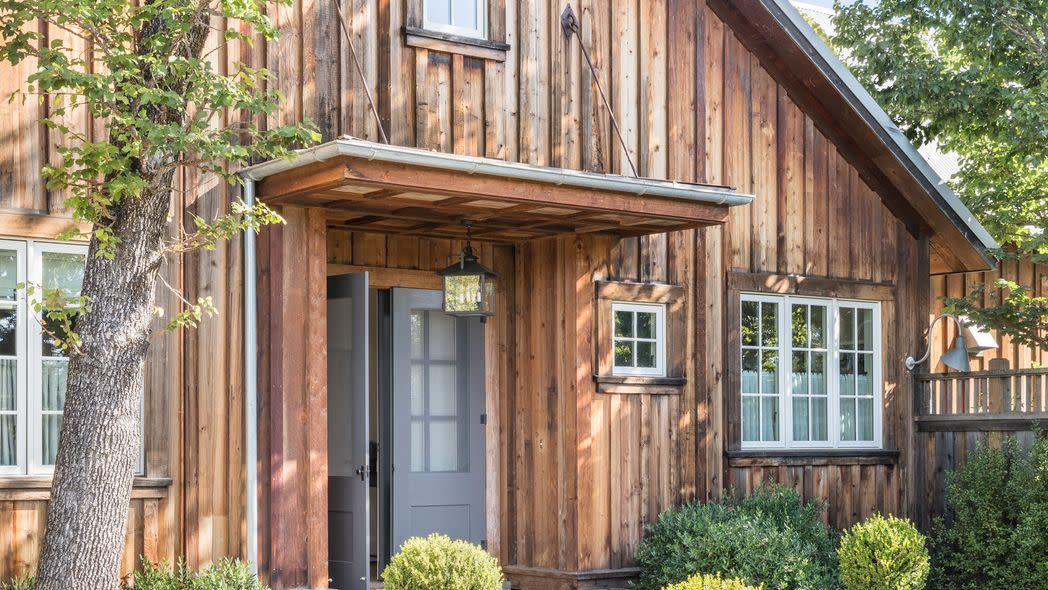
pixel 91 491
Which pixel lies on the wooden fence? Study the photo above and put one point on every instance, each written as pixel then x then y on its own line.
pixel 957 411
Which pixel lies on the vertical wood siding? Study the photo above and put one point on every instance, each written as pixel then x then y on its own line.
pixel 580 473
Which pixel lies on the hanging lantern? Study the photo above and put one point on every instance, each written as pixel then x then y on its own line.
pixel 469 287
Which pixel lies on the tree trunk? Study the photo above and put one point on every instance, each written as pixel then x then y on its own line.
pixel 100 440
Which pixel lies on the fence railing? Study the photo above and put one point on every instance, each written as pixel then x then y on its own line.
pixel 1018 395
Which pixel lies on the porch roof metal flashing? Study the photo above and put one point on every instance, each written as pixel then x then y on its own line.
pixel 376 187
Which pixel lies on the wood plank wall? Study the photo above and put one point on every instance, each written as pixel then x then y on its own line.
pixel 1027 273
pixel 693 104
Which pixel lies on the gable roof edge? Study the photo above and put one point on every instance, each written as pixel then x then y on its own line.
pixel 824 58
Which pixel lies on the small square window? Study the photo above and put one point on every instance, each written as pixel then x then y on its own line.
pixel 466 18
pixel 638 340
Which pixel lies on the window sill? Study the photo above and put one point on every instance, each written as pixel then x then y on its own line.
pixel 38 487
pixel 812 457
pixel 447 43
pixel 638 384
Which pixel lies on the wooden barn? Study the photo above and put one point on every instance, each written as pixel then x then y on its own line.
pixel 735 311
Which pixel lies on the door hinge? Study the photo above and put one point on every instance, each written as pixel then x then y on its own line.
pixel 483 418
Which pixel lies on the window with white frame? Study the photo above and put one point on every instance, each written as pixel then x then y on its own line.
pixel 467 18
pixel 639 339
pixel 33 368
pixel 811 372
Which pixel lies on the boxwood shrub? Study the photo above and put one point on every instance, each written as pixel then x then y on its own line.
pixel 771 538
pixel 710 582
pixel 883 553
pixel 438 562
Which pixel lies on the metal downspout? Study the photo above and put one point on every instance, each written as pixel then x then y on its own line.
pixel 251 385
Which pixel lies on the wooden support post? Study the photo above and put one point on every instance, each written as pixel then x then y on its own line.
pixel 1000 397
pixel 295 388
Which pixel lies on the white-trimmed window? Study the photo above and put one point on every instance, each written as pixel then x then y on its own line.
pixel 810 372
pixel 467 18
pixel 33 368
pixel 639 339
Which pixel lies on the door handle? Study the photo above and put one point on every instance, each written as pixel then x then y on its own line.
pixel 363 471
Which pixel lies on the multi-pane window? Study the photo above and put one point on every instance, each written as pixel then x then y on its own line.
pixel 457 17
pixel 439 402
pixel 33 367
pixel 638 339
pixel 810 372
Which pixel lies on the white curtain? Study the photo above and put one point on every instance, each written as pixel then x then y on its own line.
pixel 8 412
pixel 53 389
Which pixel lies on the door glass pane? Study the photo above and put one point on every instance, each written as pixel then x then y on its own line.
pixel 443 390
pixel 8 439
pixel 418 328
pixel 8 332
pixel 443 344
pixel 418 389
pixel 443 446
pixel 8 274
pixel 438 11
pixel 418 445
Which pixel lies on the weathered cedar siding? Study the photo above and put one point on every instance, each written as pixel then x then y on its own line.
pixel 579 472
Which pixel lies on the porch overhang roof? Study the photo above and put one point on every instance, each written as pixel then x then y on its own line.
pixel 368 186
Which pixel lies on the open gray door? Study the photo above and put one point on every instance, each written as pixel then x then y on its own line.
pixel 348 468
pixel 438 415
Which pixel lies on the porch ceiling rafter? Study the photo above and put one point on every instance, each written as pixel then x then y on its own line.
pixel 390 189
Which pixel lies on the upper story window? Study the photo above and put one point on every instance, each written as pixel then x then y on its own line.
pixel 811 372
pixel 639 339
pixel 33 367
pixel 467 18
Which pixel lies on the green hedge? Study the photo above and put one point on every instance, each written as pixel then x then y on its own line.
pixel 771 538
pixel 995 535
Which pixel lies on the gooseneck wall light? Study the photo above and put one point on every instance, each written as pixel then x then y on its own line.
pixel 970 339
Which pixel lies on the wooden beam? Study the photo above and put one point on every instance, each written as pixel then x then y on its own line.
pixel 811 286
pixel 388 278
